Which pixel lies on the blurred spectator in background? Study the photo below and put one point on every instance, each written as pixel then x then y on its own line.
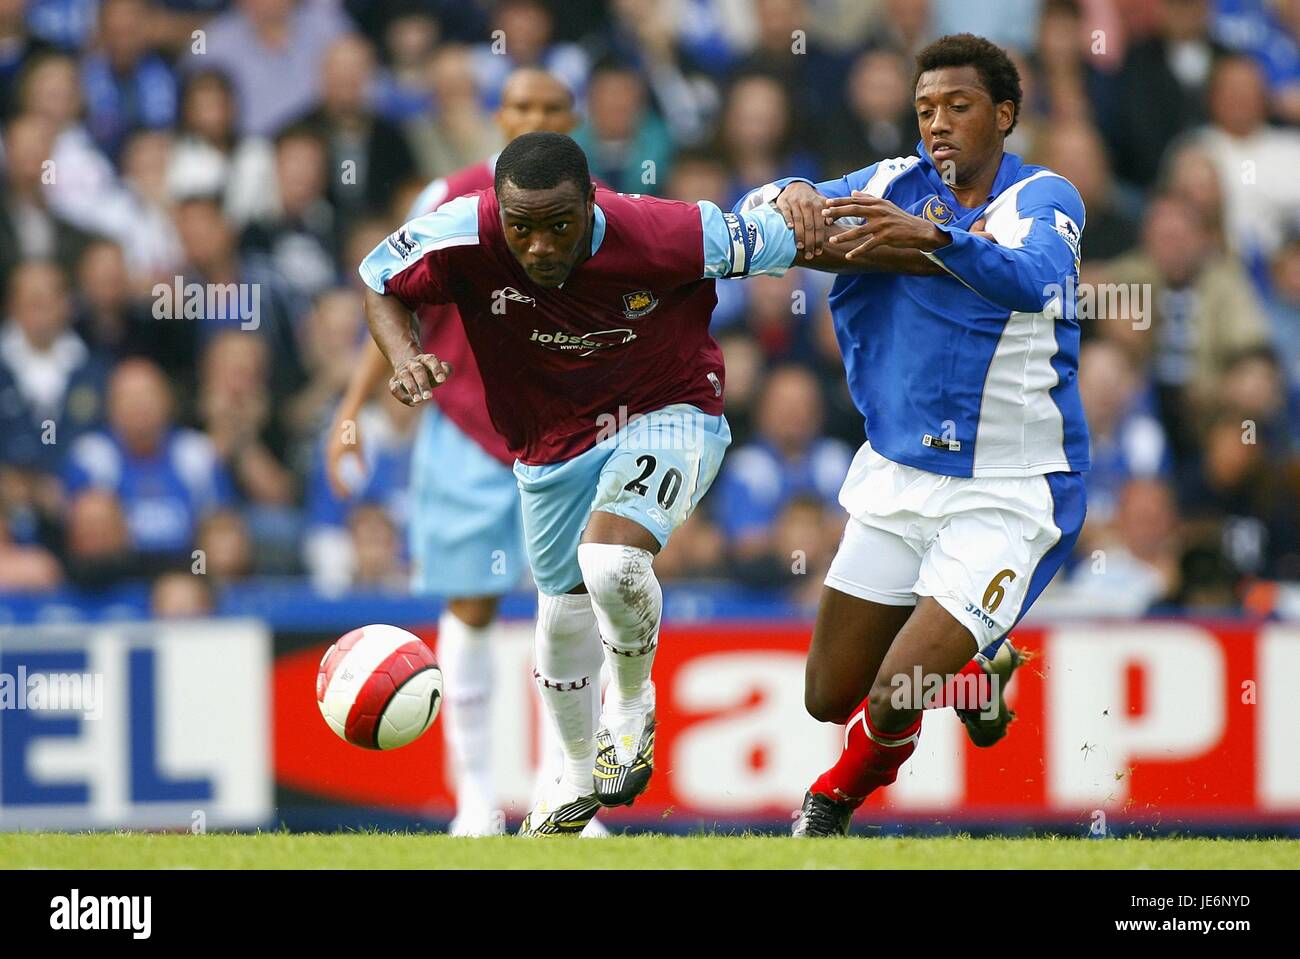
pixel 109 318
pixel 1257 163
pixel 298 240
pixel 272 52
pixel 1165 77
pixel 712 35
pixel 51 386
pixel 127 86
pixel 144 230
pixel 1127 565
pixel 81 182
pixel 841 25
pixel 1203 311
pixel 744 364
pixel 376 548
pixel 211 158
pixel 803 542
pixel 777 315
pixel 1250 505
pixel 787 458
pixel 332 335
pixel 697 552
pixel 29 228
pixel 1254 386
pixel 1270 33
pixel 165 478
pixel 1008 23
pixel 17 48
pixel 905 25
pixel 181 596
pixel 1190 174
pixel 882 120
pixel 700 175
pixel 368 156
pixel 1077 152
pixel 97 548
pixel 644 37
pixel 381 478
pixel 225 547
pixel 213 265
pixel 458 132
pixel 1207 584
pixel 521 36
pixel 757 137
pixel 407 42
pixel 1128 442
pixel 811 77
pixel 235 404
pixel 1073 85
pixel 626 142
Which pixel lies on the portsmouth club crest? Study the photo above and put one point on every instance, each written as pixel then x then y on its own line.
pixel 936 211
pixel 638 304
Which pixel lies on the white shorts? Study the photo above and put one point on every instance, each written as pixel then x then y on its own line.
pixel 983 548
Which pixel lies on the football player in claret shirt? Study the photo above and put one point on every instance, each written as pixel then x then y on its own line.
pixel 466 532
pixel 587 312
pixel 968 494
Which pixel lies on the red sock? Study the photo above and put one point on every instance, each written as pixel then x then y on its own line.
pixel 970 690
pixel 870 759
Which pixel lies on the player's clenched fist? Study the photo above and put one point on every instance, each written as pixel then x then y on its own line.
pixel 415 380
pixel 803 208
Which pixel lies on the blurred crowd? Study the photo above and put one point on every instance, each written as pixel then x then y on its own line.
pixel 182 145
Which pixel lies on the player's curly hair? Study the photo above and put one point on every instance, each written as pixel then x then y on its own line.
pixel 997 71
pixel 541 160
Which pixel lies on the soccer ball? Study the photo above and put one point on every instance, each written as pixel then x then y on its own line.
pixel 379 687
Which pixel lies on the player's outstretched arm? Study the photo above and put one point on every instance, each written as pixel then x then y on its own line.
pixel 1023 275
pixel 415 374
pixel 804 208
pixel 834 258
pixel 409 269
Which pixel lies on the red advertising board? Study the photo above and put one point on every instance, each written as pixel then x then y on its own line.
pixel 1168 723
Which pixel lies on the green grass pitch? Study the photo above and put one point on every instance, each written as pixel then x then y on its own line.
pixel 379 850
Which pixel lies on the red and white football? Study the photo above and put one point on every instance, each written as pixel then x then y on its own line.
pixel 379 687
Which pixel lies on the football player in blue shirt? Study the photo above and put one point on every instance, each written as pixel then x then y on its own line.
pixel 967 494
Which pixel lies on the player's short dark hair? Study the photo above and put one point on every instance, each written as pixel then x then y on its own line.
pixel 996 70
pixel 542 161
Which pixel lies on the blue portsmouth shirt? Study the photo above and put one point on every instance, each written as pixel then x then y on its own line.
pixel 974 372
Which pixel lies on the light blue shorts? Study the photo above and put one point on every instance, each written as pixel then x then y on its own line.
pixel 466 529
pixel 653 470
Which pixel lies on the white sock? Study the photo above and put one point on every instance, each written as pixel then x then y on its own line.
pixel 465 656
pixel 628 603
pixel 568 678
pixel 550 766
